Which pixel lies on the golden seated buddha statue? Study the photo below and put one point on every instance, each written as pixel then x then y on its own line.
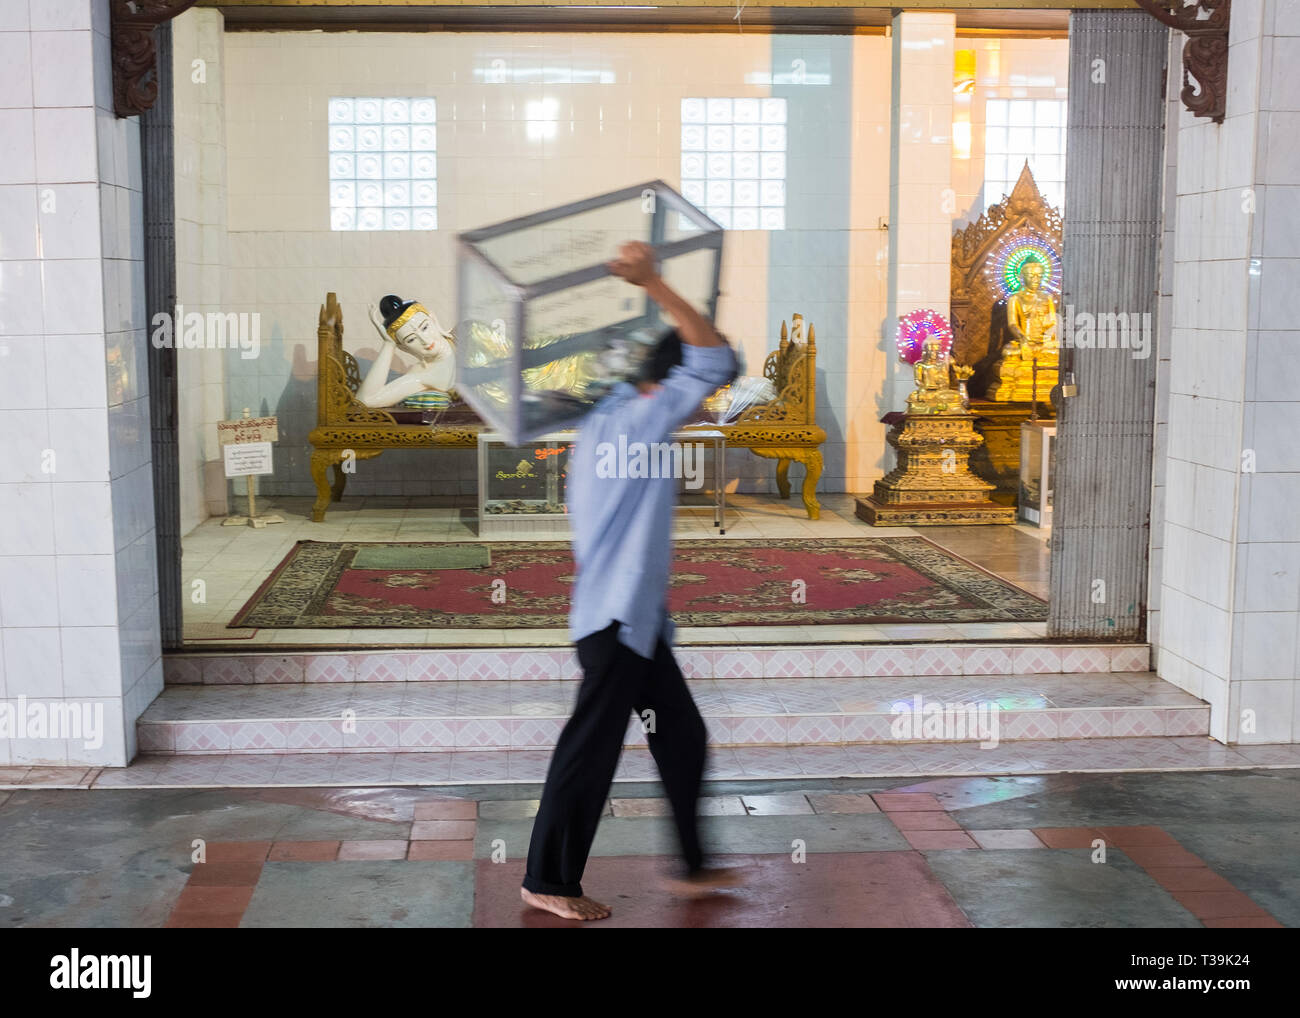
pixel 933 394
pixel 1031 319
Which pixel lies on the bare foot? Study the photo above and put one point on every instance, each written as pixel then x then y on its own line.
pixel 704 881
pixel 564 907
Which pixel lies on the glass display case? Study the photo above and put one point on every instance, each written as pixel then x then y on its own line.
pixel 1037 463
pixel 545 328
pixel 522 482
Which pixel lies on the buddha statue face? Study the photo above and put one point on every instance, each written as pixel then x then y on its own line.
pixel 1031 276
pixel 419 335
pixel 931 350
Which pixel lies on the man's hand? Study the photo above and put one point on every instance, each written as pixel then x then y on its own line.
pixel 635 263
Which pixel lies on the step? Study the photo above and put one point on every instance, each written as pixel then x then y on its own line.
pixel 378 717
pixel 247 667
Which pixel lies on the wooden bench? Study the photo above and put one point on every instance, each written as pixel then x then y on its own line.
pixel 782 429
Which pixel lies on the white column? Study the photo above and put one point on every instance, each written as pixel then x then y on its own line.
pixel 1230 585
pixel 921 200
pixel 78 577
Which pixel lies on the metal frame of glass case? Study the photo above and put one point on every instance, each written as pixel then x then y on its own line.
pixel 478 269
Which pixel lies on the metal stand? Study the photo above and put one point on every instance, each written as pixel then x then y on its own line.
pixel 252 519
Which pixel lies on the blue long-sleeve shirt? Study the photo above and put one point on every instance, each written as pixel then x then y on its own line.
pixel 622 526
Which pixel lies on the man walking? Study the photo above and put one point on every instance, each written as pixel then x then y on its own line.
pixel 622 542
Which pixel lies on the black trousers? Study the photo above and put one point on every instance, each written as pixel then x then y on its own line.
pixel 615 682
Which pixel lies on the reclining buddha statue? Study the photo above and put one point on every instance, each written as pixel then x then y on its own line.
pixel 410 327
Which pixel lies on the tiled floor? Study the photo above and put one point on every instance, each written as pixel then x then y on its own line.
pixel 1212 849
pixel 233 562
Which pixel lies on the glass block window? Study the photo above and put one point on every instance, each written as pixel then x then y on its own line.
pixel 383 160
pixel 733 161
pixel 1020 129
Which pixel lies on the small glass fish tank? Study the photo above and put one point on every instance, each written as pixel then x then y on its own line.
pixel 523 482
pixel 545 328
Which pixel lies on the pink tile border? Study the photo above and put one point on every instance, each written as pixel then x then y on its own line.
pixel 878 661
pixel 330 668
pixel 1187 721
pixel 1130 659
pixel 833 662
pixel 738 664
pixel 811 661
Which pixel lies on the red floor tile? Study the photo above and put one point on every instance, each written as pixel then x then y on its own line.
pixel 1067 837
pixel 387 849
pixel 225 874
pixel 932 840
pixel 1159 857
pixel 237 851
pixel 203 920
pixel 425 850
pixel 224 900
pixel 443 830
pixel 897 802
pixel 304 851
pixel 1218 904
pixel 446 809
pixel 866 889
pixel 1243 922
pixel 1137 837
pixel 924 822
pixel 1188 878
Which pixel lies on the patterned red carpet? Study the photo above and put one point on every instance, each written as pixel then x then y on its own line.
pixel 714 583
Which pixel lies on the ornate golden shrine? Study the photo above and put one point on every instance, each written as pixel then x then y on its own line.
pixel 979 319
pixel 978 322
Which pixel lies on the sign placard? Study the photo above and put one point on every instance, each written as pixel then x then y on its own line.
pixel 247 458
pixel 248 430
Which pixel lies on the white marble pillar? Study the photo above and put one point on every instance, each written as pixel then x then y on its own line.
pixel 921 199
pixel 1230 565
pixel 78 577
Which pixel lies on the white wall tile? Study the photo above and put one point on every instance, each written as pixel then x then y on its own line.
pixel 18 143
pixel 64 153
pixel 61 14
pixel 27 510
pixel 90 661
pixel 33 665
pixel 15 69
pixel 63 69
pixel 22 378
pixel 29 594
pixel 70 221
pixel 73 296
pixel 87 590
pixel 83 518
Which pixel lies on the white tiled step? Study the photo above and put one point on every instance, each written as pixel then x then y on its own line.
pixel 528 766
pixel 731 662
pixel 528 715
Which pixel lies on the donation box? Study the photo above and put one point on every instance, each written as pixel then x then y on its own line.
pixel 545 329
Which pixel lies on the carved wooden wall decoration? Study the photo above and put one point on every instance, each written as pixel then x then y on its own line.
pixel 1205 56
pixel 135 71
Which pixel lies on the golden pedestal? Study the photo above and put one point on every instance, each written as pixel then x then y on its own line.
pixel 933 484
